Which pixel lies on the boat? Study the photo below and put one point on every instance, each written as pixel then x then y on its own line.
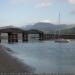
pixel 61 40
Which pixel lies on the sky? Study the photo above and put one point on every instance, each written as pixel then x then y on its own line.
pixel 23 12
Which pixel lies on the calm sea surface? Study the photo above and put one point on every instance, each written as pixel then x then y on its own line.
pixel 46 56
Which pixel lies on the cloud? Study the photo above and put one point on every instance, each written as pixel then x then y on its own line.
pixel 40 3
pixel 70 1
pixel 44 3
pixel 46 21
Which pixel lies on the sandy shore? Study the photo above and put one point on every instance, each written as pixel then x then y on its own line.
pixel 11 64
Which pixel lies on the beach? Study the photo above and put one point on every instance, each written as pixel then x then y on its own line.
pixel 11 64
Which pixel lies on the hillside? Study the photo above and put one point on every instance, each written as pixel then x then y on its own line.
pixel 69 31
pixel 47 26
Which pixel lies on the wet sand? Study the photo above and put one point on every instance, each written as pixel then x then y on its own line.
pixel 10 64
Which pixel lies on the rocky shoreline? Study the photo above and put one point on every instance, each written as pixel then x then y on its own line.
pixel 10 64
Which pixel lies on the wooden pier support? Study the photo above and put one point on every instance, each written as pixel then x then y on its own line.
pixel 41 36
pixel 12 37
pixel 25 37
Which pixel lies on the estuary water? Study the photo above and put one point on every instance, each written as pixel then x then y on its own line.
pixel 46 56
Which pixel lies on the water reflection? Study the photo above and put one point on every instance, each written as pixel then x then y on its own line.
pixel 47 56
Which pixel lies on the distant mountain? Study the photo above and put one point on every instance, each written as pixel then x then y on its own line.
pixel 27 27
pixel 47 26
pixel 10 26
pixel 68 31
pixel 43 26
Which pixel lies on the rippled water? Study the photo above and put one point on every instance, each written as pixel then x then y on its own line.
pixel 46 56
